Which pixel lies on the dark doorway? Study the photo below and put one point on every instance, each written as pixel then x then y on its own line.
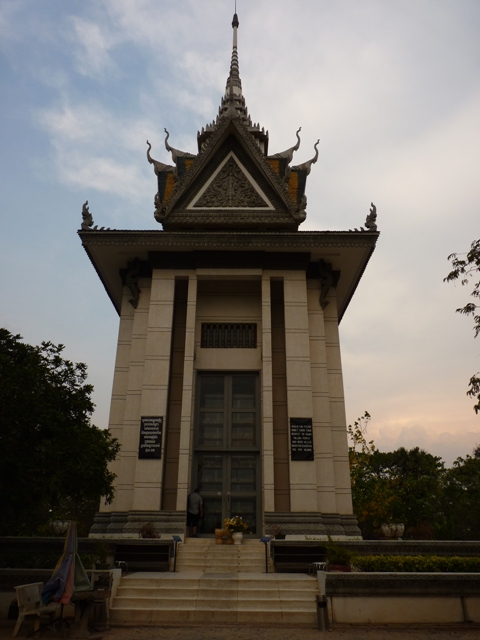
pixel 227 448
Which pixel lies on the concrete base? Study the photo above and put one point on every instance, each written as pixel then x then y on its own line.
pixel 403 598
pixel 128 524
pixel 318 525
pixel 296 526
pixel 405 610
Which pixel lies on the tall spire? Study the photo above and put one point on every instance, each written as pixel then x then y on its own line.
pixel 233 103
pixel 234 84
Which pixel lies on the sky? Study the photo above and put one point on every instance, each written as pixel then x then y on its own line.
pixel 391 88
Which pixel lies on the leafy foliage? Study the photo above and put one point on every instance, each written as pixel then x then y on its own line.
pixel 411 487
pixel 148 530
pixel 36 560
pixel 53 462
pixel 461 499
pixel 337 554
pixel 394 487
pixel 236 524
pixel 435 564
pixel 464 269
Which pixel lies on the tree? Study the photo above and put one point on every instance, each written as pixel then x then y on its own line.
pixel 461 499
pixel 414 480
pixel 465 269
pixel 394 487
pixel 53 461
pixel 370 502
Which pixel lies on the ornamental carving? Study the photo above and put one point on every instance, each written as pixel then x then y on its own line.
pixel 87 218
pixel 230 188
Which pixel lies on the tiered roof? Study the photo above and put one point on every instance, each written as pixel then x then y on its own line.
pixel 231 183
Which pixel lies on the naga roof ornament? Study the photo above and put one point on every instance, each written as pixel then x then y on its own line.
pixel 232 183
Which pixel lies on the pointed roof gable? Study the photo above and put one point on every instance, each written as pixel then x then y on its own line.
pixel 231 183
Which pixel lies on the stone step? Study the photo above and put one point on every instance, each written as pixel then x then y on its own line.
pixel 224 550
pixel 212 605
pixel 272 617
pixel 218 568
pixel 209 542
pixel 176 598
pixel 221 553
pixel 243 584
pixel 220 558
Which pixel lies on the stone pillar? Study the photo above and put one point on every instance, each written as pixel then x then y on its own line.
pixel 186 426
pixel 119 393
pixel 337 410
pixel 303 483
pixel 133 395
pixel 153 399
pixel 267 399
pixel 322 435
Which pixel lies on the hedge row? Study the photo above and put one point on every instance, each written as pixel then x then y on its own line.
pixel 431 564
pixel 32 560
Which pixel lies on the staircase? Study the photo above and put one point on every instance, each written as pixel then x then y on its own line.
pixel 216 584
pixel 200 554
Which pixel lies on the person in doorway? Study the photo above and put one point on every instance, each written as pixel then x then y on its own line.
pixel 194 511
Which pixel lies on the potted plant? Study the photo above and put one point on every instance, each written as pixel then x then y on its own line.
pixel 274 531
pixel 237 526
pixel 339 558
pixel 101 551
pixel 393 531
pixel 148 530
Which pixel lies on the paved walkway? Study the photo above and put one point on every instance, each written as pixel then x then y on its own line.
pixel 271 633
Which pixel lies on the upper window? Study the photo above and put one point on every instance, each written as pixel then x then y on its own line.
pixel 229 336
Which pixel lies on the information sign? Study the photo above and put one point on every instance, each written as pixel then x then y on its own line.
pixel 150 437
pixel 301 439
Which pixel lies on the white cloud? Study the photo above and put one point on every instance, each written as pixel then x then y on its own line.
pixel 93 44
pixel 449 445
pixel 95 149
pixel 9 13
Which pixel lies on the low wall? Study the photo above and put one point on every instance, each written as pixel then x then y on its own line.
pixel 403 598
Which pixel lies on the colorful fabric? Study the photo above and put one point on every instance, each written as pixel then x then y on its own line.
pixel 69 574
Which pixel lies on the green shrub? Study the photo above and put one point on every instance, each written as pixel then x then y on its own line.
pixel 337 554
pixel 28 560
pixel 33 560
pixel 428 564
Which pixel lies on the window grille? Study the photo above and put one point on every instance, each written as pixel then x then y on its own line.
pixel 229 336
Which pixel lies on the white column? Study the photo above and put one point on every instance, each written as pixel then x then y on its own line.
pixel 153 401
pixel 118 401
pixel 343 490
pixel 133 396
pixel 303 484
pixel 322 434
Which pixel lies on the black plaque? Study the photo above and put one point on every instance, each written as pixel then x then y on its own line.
pixel 301 438
pixel 150 437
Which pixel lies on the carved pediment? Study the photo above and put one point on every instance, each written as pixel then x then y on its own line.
pixel 231 187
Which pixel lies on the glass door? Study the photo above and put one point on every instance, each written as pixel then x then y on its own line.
pixel 227 453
